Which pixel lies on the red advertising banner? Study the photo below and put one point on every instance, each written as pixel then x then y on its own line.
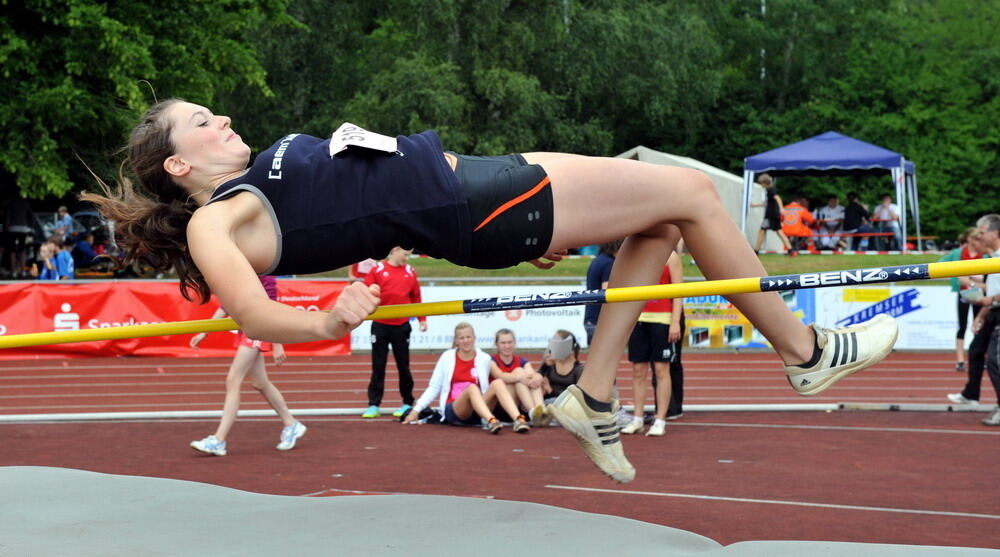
pixel 35 307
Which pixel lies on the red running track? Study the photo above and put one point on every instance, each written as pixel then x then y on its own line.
pixel 887 477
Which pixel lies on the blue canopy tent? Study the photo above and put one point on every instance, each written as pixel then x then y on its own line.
pixel 832 153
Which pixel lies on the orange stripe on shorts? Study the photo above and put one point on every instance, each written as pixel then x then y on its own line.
pixel 503 208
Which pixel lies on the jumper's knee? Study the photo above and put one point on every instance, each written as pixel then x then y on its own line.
pixel 699 184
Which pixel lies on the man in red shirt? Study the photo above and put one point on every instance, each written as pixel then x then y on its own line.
pixel 399 285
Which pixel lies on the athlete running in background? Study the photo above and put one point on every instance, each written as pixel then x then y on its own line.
pixel 249 360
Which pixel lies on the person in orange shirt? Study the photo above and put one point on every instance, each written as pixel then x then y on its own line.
pixel 797 223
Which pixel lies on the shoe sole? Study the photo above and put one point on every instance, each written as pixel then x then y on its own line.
pixel 586 435
pixel 823 384
pixel 213 453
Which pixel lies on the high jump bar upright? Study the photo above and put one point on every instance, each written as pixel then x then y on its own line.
pixel 850 277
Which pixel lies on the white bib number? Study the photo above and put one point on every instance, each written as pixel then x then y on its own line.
pixel 349 135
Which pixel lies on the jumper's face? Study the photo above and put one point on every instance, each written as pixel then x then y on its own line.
pixel 506 345
pixel 465 340
pixel 205 141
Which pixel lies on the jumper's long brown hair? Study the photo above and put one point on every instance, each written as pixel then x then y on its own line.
pixel 151 218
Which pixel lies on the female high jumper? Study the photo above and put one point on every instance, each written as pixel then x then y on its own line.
pixel 311 204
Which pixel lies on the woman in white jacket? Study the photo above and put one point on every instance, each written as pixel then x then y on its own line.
pixel 461 383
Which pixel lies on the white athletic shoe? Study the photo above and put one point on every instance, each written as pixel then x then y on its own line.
pixel 210 445
pixel 844 351
pixel 958 398
pixel 597 433
pixel 659 429
pixel 635 425
pixel 994 418
pixel 289 435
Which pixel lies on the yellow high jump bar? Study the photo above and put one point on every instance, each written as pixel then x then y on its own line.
pixel 851 277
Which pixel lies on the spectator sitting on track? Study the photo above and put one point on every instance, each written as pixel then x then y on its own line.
pixel 797 223
pixel 461 383
pixel 830 218
pixel 561 366
pixel 249 358
pixel 524 384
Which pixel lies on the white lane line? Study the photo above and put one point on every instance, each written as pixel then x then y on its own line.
pixel 223 364
pixel 832 397
pixel 843 428
pixel 244 391
pixel 351 417
pixel 216 382
pixel 175 404
pixel 362 376
pixel 775 502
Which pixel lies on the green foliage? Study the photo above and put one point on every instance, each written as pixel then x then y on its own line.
pixel 75 74
pixel 713 79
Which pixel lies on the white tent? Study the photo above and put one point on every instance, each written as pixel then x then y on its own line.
pixel 729 186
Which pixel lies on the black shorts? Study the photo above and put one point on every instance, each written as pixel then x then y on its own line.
pixel 649 343
pixel 771 224
pixel 451 418
pixel 510 205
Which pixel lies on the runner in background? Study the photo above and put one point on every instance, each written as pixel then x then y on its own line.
pixel 249 359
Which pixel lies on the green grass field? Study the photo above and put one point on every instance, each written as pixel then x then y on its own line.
pixel 572 269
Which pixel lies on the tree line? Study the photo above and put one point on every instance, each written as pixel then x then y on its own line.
pixel 717 80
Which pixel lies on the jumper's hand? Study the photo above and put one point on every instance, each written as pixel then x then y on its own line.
pixel 196 339
pixel 552 258
pixel 355 303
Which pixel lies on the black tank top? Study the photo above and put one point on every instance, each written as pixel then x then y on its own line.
pixel 332 212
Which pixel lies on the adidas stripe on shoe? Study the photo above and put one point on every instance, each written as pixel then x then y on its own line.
pixel 843 352
pixel 597 433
